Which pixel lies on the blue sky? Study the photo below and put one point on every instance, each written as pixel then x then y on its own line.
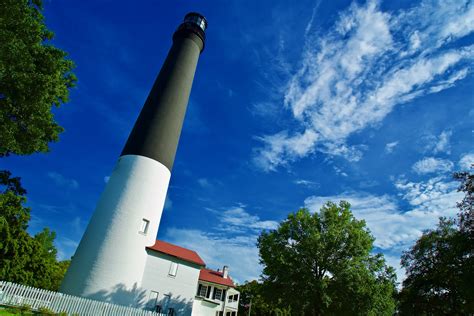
pixel 293 104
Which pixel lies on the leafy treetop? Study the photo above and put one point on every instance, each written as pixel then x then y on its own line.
pixel 321 264
pixel 34 76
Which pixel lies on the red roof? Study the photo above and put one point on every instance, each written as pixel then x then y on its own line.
pixel 215 277
pixel 177 251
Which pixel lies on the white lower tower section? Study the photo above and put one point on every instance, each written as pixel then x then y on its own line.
pixel 110 260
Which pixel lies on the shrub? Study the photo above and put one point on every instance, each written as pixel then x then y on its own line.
pixel 44 311
pixel 25 309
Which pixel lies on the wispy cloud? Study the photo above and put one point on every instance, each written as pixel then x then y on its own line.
pixel 467 161
pixel 430 165
pixel 370 62
pixel 280 148
pixel 204 182
pixel 439 144
pixel 238 218
pixel 307 183
pixel 390 147
pixel 63 181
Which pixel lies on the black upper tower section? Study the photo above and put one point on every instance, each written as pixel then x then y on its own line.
pixel 156 132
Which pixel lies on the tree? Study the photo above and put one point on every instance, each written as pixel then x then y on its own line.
pixel 14 217
pixel 25 259
pixel 321 264
pixel 440 266
pixel 34 77
pixel 466 206
pixel 254 298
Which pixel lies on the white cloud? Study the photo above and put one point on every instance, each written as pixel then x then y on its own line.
pixel 396 229
pixel 339 171
pixel 280 148
pixel 204 183
pixel 306 183
pixel 443 143
pixel 237 218
pixel 353 77
pixel 62 181
pixel 439 144
pixel 264 109
pixel 430 165
pixel 106 179
pixel 466 161
pixel 390 147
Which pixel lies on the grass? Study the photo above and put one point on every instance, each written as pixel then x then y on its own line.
pixel 7 311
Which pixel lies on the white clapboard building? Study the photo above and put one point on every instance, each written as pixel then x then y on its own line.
pixel 177 282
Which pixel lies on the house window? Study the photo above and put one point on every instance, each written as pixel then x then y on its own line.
pixel 217 294
pixel 153 300
pixel 233 298
pixel 144 226
pixel 202 290
pixel 173 269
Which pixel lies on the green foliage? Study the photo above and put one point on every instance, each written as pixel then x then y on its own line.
pixel 25 309
pixel 466 206
pixel 12 311
pixel 253 297
pixel 25 259
pixel 15 248
pixel 44 311
pixel 440 266
pixel 321 264
pixel 34 77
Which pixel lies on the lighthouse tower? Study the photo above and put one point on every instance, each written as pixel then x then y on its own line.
pixel 111 256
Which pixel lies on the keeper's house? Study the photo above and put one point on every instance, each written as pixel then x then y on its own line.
pixel 176 282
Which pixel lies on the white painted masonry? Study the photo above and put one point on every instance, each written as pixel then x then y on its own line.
pixel 179 289
pixel 112 253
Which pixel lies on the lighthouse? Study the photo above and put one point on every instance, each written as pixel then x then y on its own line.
pixel 109 262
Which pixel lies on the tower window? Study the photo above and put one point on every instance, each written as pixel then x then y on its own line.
pixel 173 269
pixel 144 226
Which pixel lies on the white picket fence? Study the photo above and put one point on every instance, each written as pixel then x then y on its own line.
pixel 12 294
